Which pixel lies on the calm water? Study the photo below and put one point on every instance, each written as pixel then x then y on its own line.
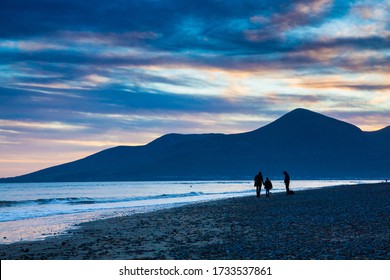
pixel 32 210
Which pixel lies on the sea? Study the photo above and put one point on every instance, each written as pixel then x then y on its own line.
pixel 34 211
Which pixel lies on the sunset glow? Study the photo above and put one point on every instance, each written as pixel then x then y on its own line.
pixel 77 77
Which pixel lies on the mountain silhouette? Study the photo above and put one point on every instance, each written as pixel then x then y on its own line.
pixel 307 144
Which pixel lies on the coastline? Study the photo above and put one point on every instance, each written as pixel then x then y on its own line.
pixel 342 222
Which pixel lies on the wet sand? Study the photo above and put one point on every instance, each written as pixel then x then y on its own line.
pixel 343 222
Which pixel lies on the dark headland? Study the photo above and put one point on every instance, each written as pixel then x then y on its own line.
pixel 307 144
pixel 344 222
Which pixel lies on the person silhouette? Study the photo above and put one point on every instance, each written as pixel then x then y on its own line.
pixel 258 182
pixel 287 181
pixel 267 186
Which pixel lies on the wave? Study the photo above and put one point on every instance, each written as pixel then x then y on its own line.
pixel 43 201
pixel 90 200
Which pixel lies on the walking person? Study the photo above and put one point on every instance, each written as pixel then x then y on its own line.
pixel 267 186
pixel 287 182
pixel 258 183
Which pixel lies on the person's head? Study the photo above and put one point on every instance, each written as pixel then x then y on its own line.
pixel 260 173
pixel 267 179
pixel 284 172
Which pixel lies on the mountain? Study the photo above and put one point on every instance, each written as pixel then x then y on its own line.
pixel 307 144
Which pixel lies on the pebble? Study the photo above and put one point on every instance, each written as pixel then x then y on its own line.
pixel 322 224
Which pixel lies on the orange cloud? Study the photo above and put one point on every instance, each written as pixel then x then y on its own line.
pixel 313 7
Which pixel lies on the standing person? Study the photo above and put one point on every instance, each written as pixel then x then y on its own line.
pixel 267 186
pixel 258 182
pixel 287 181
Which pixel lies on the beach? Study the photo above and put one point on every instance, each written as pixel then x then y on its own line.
pixel 343 222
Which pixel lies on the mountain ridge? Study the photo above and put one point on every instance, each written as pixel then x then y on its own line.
pixel 308 144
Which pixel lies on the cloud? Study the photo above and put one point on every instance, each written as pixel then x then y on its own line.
pixel 58 126
pixel 69 39
pixel 128 71
pixel 297 13
pixel 370 120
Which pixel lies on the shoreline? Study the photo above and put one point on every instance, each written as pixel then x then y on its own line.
pixel 57 225
pixel 38 228
pixel 340 222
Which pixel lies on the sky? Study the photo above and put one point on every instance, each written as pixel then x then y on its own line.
pixel 77 77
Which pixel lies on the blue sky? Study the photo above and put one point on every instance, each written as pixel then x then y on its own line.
pixel 77 77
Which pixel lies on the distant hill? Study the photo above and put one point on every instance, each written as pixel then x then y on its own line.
pixel 307 144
